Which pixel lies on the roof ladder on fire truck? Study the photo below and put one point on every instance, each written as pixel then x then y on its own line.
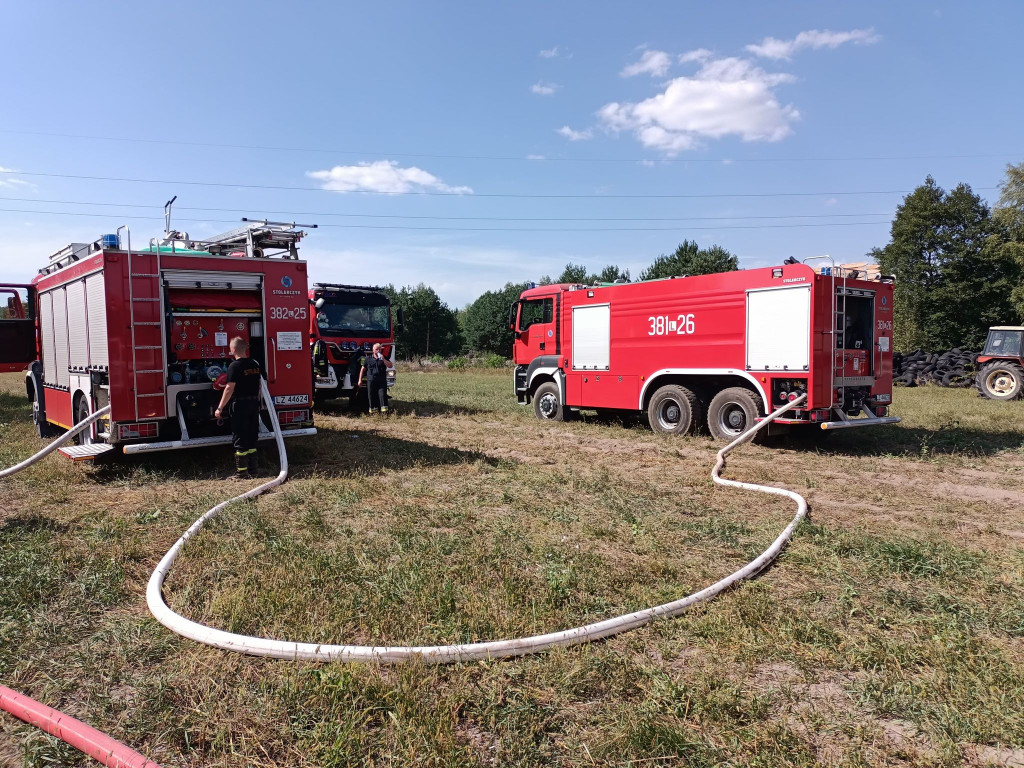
pixel 145 315
pixel 839 336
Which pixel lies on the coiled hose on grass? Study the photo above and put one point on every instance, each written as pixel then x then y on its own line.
pixel 445 654
pixel 113 753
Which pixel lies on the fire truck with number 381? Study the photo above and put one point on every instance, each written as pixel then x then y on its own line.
pixel 146 331
pixel 716 351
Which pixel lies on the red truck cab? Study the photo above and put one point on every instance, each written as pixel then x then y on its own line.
pixel 345 322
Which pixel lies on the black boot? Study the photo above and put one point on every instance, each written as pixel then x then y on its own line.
pixel 242 462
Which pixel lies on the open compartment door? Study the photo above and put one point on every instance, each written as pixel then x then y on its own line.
pixel 17 327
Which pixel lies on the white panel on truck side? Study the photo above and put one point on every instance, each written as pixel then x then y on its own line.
pixel 61 357
pixel 46 331
pixel 591 337
pixel 96 301
pixel 779 329
pixel 78 338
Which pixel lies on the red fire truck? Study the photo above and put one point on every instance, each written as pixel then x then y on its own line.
pixel 719 351
pixel 146 331
pixel 346 321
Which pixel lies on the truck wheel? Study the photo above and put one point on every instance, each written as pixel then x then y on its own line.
pixel 1001 380
pixel 81 414
pixel 547 405
pixel 43 428
pixel 674 410
pixel 732 412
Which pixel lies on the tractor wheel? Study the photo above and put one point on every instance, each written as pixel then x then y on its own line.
pixel 548 405
pixel 1000 380
pixel 674 410
pixel 732 412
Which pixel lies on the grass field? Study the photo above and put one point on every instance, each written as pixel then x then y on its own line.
pixel 891 632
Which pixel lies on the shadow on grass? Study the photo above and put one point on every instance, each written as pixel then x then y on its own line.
pixel 338 452
pixel 948 439
pixel 331 453
pixel 27 524
pixel 408 408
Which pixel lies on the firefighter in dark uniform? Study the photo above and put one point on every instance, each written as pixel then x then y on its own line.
pixel 375 370
pixel 242 392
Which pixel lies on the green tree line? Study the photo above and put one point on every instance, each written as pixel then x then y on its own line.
pixel 958 264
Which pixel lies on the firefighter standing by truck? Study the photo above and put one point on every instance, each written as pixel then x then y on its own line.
pixel 242 392
pixel 375 369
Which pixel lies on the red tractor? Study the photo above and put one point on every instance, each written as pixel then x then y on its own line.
pixel 1001 365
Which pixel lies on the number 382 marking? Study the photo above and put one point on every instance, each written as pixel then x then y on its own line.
pixel 664 325
pixel 284 313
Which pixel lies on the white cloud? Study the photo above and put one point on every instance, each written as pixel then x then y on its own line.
pixel 544 89
pixel 572 135
pixel 700 54
pixel 773 48
pixel 536 157
pixel 7 180
pixel 654 63
pixel 549 53
pixel 382 176
pixel 729 96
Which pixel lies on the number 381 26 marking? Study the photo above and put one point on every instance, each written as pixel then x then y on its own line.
pixel 664 325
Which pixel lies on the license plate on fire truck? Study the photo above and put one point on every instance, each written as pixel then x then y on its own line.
pixel 291 399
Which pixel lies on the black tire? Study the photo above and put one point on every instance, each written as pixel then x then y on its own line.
pixel 548 405
pixel 1000 380
pixel 674 410
pixel 732 412
pixel 81 413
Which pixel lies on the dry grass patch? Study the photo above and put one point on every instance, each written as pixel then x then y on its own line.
pixel 890 632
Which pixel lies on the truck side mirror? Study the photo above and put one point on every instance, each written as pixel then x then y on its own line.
pixel 512 317
pixel 400 320
pixel 319 303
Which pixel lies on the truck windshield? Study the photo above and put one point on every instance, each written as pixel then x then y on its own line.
pixel 1004 343
pixel 535 311
pixel 348 319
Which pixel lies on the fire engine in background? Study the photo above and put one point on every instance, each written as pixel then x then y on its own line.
pixel 146 331
pixel 718 350
pixel 346 321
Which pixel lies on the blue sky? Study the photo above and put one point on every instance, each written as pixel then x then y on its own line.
pixel 639 124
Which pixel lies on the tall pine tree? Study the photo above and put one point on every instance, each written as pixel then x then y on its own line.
pixel 951 285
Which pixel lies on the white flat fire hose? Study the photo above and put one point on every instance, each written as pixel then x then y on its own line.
pixel 443 654
pixel 79 427
pixel 436 654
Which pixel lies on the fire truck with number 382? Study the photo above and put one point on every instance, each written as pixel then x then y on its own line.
pixel 146 331
pixel 714 351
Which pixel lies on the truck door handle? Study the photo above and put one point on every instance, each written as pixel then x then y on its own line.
pixel 542 345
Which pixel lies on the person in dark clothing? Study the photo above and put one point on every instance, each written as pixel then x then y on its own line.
pixel 375 371
pixel 242 392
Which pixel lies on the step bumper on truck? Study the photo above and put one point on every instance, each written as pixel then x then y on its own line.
pixel 339 379
pixel 197 442
pixel 840 420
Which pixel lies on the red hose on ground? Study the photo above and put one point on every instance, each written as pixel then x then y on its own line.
pixel 84 737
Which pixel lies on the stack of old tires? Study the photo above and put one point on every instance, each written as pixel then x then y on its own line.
pixel 955 368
